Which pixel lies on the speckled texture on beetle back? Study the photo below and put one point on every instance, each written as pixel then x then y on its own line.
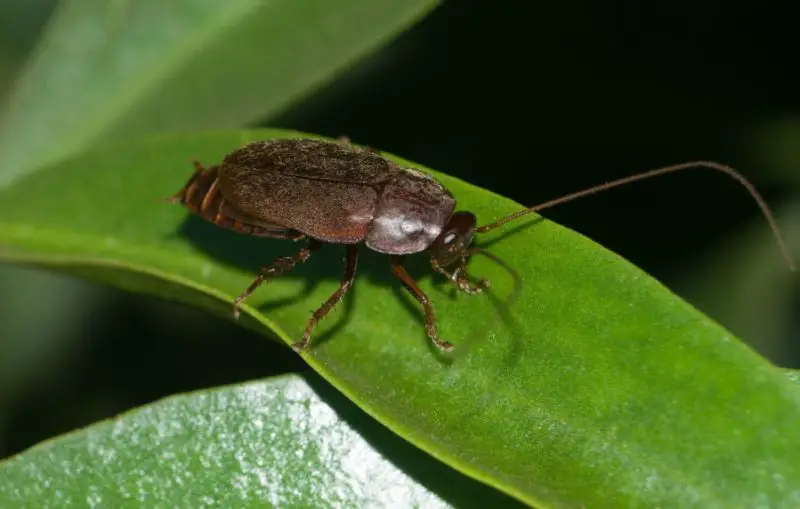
pixel 336 192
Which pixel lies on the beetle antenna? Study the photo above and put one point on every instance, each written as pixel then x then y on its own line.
pixel 655 173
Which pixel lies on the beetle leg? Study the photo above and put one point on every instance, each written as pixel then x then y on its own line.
pixel 278 267
pixel 430 319
pixel 324 309
pixel 459 277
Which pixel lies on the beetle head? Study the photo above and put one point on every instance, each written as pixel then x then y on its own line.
pixel 451 245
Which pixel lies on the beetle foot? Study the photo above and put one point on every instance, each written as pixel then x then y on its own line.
pixel 444 346
pixel 468 287
pixel 473 289
pixel 460 279
pixel 299 346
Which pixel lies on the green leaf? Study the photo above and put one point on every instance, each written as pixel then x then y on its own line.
pixel 275 443
pixel 106 69
pixel 597 387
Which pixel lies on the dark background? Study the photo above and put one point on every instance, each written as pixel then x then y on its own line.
pixel 531 102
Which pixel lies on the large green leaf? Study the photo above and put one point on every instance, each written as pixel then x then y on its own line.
pixel 275 443
pixel 119 68
pixel 597 387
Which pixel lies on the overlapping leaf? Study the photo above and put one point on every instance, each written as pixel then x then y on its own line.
pixel 270 443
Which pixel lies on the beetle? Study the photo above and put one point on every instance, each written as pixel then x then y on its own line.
pixel 334 192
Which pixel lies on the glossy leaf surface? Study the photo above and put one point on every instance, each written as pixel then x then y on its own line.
pixel 270 443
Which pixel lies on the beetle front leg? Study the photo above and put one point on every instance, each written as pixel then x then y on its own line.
pixel 459 277
pixel 430 319
pixel 280 266
pixel 324 309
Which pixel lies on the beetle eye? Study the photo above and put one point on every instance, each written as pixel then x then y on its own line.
pixel 449 238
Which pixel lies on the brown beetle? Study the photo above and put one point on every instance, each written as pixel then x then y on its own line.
pixel 339 193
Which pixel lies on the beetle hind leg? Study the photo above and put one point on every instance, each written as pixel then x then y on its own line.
pixel 325 308
pixel 278 267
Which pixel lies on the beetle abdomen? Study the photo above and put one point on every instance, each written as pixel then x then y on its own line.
pixel 202 196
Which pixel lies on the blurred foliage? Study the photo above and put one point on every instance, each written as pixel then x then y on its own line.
pixel 530 101
pixel 21 23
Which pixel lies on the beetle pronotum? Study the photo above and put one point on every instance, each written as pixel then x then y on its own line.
pixel 338 193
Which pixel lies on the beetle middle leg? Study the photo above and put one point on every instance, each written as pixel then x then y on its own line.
pixel 324 309
pixel 280 266
pixel 430 318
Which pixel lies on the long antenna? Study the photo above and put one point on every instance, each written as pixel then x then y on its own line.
pixel 655 173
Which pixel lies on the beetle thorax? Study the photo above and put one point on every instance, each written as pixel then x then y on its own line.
pixel 411 212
